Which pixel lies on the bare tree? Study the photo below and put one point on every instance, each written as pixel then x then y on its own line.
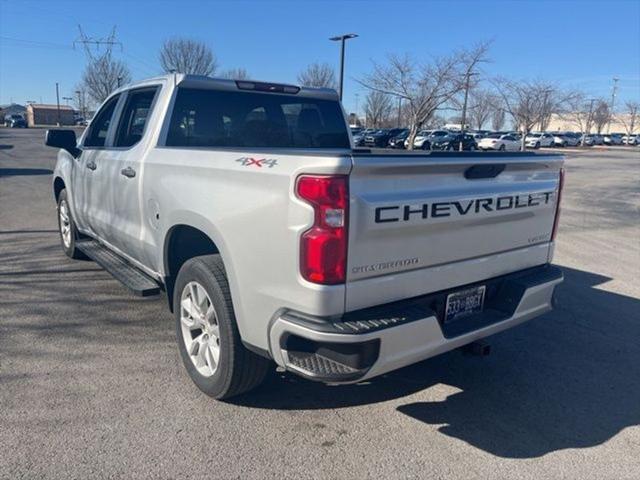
pixel 579 112
pixel 318 75
pixel 497 118
pixel 528 103
pixel 601 115
pixel 377 109
pixel 102 76
pixel 183 55
pixel 630 117
pixel 482 105
pixel 236 74
pixel 424 88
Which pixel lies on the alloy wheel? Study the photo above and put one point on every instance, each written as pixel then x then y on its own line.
pixel 200 328
pixel 65 223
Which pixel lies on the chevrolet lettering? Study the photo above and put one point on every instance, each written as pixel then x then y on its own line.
pixel 396 213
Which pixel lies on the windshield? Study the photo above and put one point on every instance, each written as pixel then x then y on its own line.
pixel 535 135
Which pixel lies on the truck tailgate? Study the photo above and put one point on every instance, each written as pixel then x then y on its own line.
pixel 426 222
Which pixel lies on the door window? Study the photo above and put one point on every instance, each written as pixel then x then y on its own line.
pixel 134 117
pixel 99 127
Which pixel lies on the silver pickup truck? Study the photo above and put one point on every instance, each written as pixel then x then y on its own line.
pixel 276 241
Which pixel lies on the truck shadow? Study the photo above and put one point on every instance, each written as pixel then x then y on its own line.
pixel 22 172
pixel 570 379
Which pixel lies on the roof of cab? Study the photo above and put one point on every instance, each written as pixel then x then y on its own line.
pixel 201 81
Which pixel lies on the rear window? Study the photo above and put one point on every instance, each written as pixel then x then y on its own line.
pixel 211 118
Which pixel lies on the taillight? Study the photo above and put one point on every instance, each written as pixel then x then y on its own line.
pixel 323 248
pixel 556 220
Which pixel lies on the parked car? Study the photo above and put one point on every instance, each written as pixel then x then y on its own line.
pixel 358 139
pixel 452 142
pixel 598 139
pixel 612 139
pixel 539 139
pixel 374 262
pixel 559 140
pixel 15 121
pixel 630 140
pixel 495 141
pixel 425 139
pixel 572 139
pixel 589 139
pixel 380 138
pixel 398 141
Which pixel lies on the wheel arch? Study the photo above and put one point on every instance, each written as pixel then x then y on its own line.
pixel 58 186
pixel 183 242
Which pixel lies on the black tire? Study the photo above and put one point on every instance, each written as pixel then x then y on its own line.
pixel 69 249
pixel 426 146
pixel 537 145
pixel 502 148
pixel 472 148
pixel 238 370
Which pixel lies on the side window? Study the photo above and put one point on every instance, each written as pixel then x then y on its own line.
pixel 100 124
pixel 134 117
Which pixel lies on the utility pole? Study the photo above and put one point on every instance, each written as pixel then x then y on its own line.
pixel 342 39
pixel 58 102
pixel 613 101
pixel 399 110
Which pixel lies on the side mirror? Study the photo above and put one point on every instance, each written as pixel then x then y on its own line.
pixel 65 139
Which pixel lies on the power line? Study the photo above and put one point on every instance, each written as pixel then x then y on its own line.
pixel 32 43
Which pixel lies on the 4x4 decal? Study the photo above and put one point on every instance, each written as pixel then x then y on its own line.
pixel 257 162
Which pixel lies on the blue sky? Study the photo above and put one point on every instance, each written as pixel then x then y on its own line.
pixel 577 44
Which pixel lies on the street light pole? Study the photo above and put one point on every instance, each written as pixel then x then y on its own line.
pixel 464 108
pixel 588 121
pixel 342 39
pixel 613 101
pixel 58 102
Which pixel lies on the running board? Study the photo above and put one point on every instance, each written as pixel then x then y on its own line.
pixel 131 277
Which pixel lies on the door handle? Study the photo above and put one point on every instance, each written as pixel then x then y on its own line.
pixel 91 165
pixel 128 172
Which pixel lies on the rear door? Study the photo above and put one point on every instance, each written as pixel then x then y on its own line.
pixel 427 213
pixel 121 189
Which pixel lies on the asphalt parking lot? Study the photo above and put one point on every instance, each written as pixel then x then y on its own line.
pixel 91 382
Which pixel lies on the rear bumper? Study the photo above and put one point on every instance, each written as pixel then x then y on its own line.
pixel 373 341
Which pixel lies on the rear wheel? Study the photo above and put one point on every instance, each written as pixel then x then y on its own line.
pixel 502 148
pixel 537 145
pixel 208 336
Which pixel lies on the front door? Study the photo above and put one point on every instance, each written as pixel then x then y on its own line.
pixel 90 177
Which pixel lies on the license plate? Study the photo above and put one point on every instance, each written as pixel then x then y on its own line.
pixel 465 302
